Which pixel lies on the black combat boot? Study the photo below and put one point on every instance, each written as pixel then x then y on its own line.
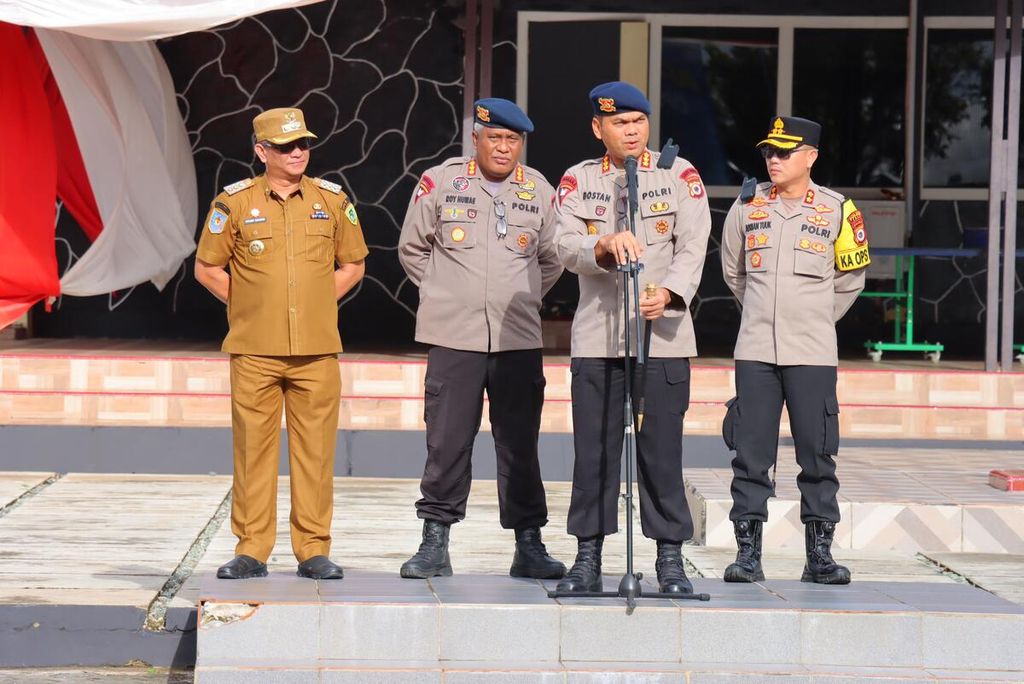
pixel 432 558
pixel 531 558
pixel 821 568
pixel 585 573
pixel 747 567
pixel 669 566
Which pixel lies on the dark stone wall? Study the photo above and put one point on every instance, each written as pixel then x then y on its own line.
pixel 381 84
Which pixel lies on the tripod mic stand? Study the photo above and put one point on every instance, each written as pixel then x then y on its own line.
pixel 629 585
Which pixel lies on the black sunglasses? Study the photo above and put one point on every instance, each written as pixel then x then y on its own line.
pixel 286 148
pixel 769 151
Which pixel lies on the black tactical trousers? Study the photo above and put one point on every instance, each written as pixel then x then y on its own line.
pixel 751 427
pixel 598 393
pixel 453 405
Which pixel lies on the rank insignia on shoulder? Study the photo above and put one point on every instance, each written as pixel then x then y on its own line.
pixel 217 220
pixel 238 186
pixel 328 185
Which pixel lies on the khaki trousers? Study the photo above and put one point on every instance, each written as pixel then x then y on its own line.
pixel 309 387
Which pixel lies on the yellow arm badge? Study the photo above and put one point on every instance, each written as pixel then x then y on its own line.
pixel 851 245
pixel 350 214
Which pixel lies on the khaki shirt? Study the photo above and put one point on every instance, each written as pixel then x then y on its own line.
pixel 479 291
pixel 673 224
pixel 282 253
pixel 783 268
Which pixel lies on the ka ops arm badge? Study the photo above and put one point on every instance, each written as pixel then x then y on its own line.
pixel 852 243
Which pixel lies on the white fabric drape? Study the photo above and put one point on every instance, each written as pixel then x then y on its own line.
pixel 131 20
pixel 136 152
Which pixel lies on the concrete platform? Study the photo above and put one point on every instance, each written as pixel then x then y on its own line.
pixel 378 627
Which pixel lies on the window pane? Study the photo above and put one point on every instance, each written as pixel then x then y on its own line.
pixel 853 82
pixel 717 96
pixel 958 108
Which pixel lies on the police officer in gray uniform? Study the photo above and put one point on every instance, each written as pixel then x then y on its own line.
pixel 478 240
pixel 671 241
pixel 794 253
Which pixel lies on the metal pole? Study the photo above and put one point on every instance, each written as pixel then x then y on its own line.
pixel 1010 232
pixel 910 118
pixel 996 186
pixel 469 79
pixel 486 45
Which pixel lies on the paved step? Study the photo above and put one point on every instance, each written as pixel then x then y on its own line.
pixel 910 500
pixel 382 625
pixel 385 393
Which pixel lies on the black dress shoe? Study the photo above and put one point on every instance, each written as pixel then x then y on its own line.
pixel 321 568
pixel 242 567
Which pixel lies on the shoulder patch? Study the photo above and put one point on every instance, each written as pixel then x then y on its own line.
pixel 328 185
pixel 566 186
pixel 238 186
pixel 851 246
pixel 693 182
pixel 217 220
pixel 350 213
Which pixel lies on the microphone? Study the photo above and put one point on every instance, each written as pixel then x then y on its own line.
pixel 631 183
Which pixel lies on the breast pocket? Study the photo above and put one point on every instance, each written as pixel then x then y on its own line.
pixel 810 258
pixel 457 235
pixel 319 241
pixel 658 218
pixel 256 241
pixel 522 239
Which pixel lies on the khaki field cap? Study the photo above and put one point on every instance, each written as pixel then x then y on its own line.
pixel 280 126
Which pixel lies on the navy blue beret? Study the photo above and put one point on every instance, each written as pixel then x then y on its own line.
pixel 496 112
pixel 617 97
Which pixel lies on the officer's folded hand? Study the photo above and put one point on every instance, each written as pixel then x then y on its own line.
pixel 618 249
pixel 654 307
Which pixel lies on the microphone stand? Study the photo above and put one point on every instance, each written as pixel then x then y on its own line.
pixel 629 585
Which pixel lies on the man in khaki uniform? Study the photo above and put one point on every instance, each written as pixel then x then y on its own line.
pixel 793 253
pixel 478 240
pixel 593 238
pixel 281 234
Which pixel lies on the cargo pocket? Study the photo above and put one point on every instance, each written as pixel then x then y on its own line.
pixel 677 375
pixel 574 370
pixel 730 424
pixel 831 446
pixel 431 398
pixel 538 391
